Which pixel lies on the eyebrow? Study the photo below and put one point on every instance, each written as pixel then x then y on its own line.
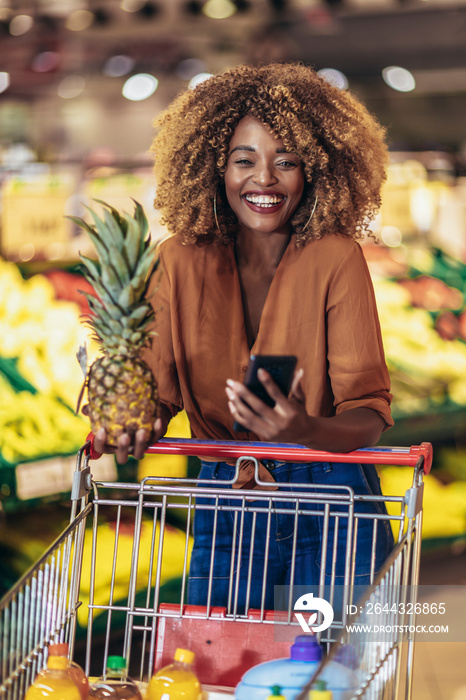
pixel 252 149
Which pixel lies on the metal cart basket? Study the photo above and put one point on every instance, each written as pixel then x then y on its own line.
pixel 115 581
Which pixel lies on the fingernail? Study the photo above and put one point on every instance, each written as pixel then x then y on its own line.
pixel 261 373
pixel 230 382
pixel 230 393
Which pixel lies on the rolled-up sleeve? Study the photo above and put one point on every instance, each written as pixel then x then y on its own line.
pixel 356 362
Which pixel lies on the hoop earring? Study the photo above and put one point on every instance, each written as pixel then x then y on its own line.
pixel 215 212
pixel 312 214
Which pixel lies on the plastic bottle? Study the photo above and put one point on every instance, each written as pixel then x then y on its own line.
pixel 294 673
pixel 75 671
pixel 320 692
pixel 177 681
pixel 276 693
pixel 116 684
pixel 54 682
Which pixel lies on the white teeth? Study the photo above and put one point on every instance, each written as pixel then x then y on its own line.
pixel 264 200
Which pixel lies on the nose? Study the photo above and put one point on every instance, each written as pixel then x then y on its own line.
pixel 264 174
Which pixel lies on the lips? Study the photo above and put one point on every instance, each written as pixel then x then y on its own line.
pixel 264 203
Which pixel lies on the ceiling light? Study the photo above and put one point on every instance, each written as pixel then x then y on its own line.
pixel 399 78
pixel 131 5
pixel 198 79
pixel 334 77
pixel 140 87
pixel 5 14
pixel 219 9
pixel 45 61
pixel 21 24
pixel 119 65
pixel 4 81
pixel 79 20
pixel 71 86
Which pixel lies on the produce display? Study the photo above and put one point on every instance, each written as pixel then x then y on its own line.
pixel 33 425
pixel 41 332
pixel 422 313
pixel 40 379
pixel 444 504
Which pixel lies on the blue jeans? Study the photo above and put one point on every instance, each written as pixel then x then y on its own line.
pixel 248 553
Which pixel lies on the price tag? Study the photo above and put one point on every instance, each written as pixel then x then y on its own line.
pixel 50 476
pixel 33 217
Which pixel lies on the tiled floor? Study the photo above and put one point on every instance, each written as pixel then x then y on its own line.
pixel 440 666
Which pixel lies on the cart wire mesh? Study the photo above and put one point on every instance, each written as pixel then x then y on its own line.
pixel 118 574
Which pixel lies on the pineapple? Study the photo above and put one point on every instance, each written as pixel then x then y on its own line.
pixel 122 391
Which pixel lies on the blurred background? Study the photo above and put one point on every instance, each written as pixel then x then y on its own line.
pixel 80 84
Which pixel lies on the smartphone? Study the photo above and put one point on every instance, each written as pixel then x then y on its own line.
pixel 280 367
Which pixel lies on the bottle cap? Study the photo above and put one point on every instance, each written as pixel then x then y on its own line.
pixel 320 685
pixel 306 648
pixel 320 692
pixel 57 662
pixel 184 655
pixel 58 649
pixel 276 691
pixel 116 663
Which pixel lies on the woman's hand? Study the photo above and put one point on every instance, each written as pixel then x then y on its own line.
pixel 126 447
pixel 286 421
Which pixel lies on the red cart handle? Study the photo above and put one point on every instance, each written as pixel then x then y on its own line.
pixel 397 456
pixel 89 447
pixel 215 449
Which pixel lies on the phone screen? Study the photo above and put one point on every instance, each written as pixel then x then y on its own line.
pixel 280 367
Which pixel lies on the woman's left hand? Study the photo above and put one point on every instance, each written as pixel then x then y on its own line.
pixel 287 421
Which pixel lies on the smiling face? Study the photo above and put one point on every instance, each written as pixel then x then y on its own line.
pixel 264 184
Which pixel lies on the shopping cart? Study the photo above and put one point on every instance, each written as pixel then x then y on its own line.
pixel 115 581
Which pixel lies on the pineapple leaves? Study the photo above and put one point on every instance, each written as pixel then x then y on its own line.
pixel 142 222
pixel 127 297
pixel 146 262
pixel 91 271
pixel 81 223
pixel 108 229
pixel 116 214
pixel 133 243
pixel 120 315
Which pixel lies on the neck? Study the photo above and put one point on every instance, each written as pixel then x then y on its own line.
pixel 261 251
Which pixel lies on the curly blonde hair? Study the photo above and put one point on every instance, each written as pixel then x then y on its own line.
pixel 340 145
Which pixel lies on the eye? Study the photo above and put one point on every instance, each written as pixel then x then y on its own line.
pixel 288 164
pixel 243 161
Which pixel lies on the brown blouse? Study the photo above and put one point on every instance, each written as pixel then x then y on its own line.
pixel 320 307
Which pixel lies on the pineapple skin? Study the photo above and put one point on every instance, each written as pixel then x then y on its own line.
pixel 122 395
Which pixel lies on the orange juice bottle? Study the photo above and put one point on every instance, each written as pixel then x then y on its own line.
pixel 177 681
pixel 54 682
pixel 75 671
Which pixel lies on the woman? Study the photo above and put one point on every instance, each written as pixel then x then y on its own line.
pixel 266 177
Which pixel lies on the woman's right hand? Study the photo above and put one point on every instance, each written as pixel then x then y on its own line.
pixel 126 447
